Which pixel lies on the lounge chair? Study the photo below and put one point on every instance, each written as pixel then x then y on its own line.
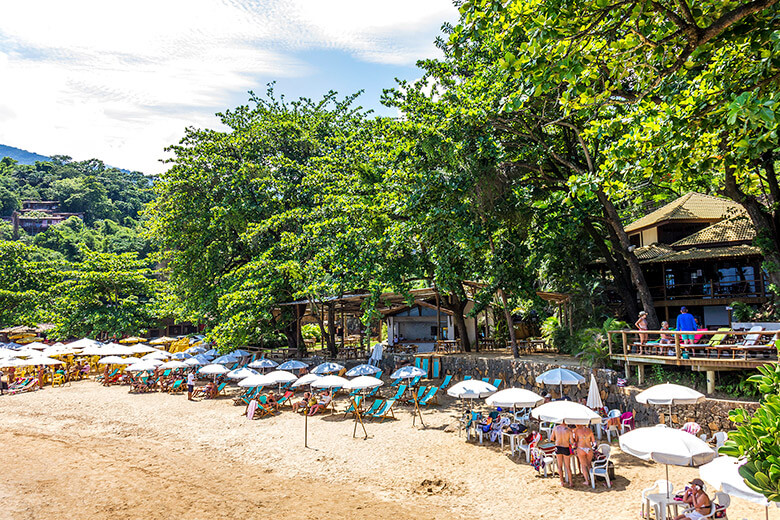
pixel 351 409
pixel 285 399
pixel 246 396
pixel 176 386
pixel 30 385
pixel 385 411
pixel 767 349
pixel 486 380
pixel 415 382
pixel 420 392
pixel 466 378
pixel 446 382
pixel 714 345
pixel 497 383
pixel 429 397
pixel 400 392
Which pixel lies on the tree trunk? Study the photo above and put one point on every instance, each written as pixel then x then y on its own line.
pixel 637 276
pixel 762 217
pixel 332 348
pixel 509 324
pixel 456 306
pixel 621 276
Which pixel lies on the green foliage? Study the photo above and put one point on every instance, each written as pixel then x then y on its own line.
pixel 311 331
pixel 756 436
pixel 559 336
pixel 593 349
pixel 742 311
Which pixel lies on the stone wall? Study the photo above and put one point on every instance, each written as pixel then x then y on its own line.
pixel 712 414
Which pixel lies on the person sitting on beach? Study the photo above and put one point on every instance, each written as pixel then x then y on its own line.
pixel 302 404
pixel 562 437
pixel 698 500
pixel 322 403
pixel 211 390
pixel 105 376
pixel 272 401
pixel 583 438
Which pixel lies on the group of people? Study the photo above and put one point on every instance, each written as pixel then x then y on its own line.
pixel 686 322
pixel 573 441
pixel 311 403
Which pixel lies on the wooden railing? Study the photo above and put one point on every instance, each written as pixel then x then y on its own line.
pixel 678 344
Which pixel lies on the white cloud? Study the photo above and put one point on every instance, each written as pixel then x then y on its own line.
pixel 120 80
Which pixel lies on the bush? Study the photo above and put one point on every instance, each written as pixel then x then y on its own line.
pixel 558 337
pixel 311 331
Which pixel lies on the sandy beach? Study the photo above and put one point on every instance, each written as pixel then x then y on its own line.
pixel 86 451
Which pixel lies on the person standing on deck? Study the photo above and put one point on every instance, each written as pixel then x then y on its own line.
pixel 641 324
pixel 686 322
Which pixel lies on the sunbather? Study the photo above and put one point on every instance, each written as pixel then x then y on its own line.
pixel 302 404
pixel 321 404
pixel 583 437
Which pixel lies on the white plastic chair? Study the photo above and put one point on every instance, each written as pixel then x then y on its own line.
pixel 600 468
pixel 549 461
pixel 526 448
pixel 547 428
pixel 663 486
pixel 625 424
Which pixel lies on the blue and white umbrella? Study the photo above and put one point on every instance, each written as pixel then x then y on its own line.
pixel 212 352
pixel 362 370
pixel 202 359
pixel 263 363
pixel 280 376
pixel 225 360
pixel 326 368
pixel 408 372
pixel 242 373
pixel 241 353
pixel 196 350
pixel 292 365
pixel 213 370
pixel 194 361
pixel 181 356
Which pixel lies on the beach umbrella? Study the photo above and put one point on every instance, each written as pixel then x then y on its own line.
pixel 409 372
pixel 669 394
pixel 329 382
pixel 241 353
pixel 305 380
pixel 165 340
pixel 37 345
pixel 254 381
pixel 361 383
pixel 116 360
pixel 213 352
pixel 83 343
pixel 565 412
pixel 263 363
pixel 159 354
pixel 42 360
pixel 327 368
pixel 293 365
pixel 196 350
pixel 362 370
pixel 280 376
pixel 514 398
pixel 666 446
pixel 241 373
pixel 114 349
pixel 225 360
pixel 174 364
pixel 194 361
pixel 560 376
pixel 146 365
pixel 723 472
pixel 213 370
pixel 140 348
pixel 594 396
pixel 181 356
pixel 471 389
pixel 132 340
pixel 9 362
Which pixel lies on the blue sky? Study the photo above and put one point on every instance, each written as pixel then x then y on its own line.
pixel 120 81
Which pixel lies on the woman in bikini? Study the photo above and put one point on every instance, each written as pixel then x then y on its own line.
pixel 641 324
pixel 583 438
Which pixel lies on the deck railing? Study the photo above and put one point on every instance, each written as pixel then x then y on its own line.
pixel 761 342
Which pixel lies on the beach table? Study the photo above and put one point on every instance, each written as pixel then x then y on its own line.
pixel 512 438
pixel 663 503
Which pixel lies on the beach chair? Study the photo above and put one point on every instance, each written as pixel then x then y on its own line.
pixel 600 468
pixel 374 407
pixel 58 379
pixel 497 383
pixel 415 382
pixel 263 410
pixel 750 346
pixel 446 382
pixel 29 386
pixel 372 393
pixel 486 380
pixel 221 389
pixel 351 408
pixel 285 399
pixel 660 487
pixel 543 461
pixel 714 345
pixel 429 397
pixel 176 386
pixel 526 448
pixel 400 392
pixel 246 396
pixel 420 393
pixel 378 375
pixel 466 378
pixel 385 411
pixel 470 419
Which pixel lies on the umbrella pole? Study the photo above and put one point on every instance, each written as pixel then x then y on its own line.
pixel 305 428
pixel 667 481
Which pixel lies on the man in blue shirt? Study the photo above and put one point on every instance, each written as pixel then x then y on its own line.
pixel 686 322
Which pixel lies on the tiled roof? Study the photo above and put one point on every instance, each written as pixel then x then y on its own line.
pixel 735 229
pixel 691 206
pixel 645 253
pixel 706 253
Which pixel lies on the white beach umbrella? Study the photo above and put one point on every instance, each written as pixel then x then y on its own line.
pixel 173 364
pixel 305 380
pixel 363 383
pixel 329 382
pixel 227 359
pixel 115 349
pixel 196 350
pixel 193 362
pixel 42 360
pixel 723 472
pixel 363 370
pixel 565 412
pixel 263 363
pixel 281 376
pixel 408 372
pixel 140 348
pixel 213 370
pixel 594 396
pixel 514 398
pixel 146 365
pixel 254 381
pixel 83 343
pixel 669 394
pixel 292 364
pixel 667 446
pixel 242 373
pixel 471 389
pixel 326 368
pixel 9 362
pixel 560 376
pixel 159 354
pixel 181 356
pixel 37 345
pixel 241 353
pixel 116 360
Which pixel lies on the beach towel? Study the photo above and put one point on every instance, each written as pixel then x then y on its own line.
pixel 250 409
pixel 376 355
pixel 692 428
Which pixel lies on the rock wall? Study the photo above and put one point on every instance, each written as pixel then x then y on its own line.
pixel 712 414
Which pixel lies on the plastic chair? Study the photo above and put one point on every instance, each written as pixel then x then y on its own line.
pixel 626 422
pixel 600 468
pixel 548 460
pixel 662 486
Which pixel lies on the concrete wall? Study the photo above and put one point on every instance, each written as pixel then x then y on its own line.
pixel 712 415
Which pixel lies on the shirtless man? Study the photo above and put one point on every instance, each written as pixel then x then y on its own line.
pixel 698 499
pixel 583 437
pixel 562 437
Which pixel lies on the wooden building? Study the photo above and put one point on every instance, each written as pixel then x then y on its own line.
pixel 697 252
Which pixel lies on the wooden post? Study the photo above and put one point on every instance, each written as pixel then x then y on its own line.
pixel 640 373
pixel 343 329
pixel 609 341
pixel 710 381
pixel 677 345
pixel 625 342
pixel 438 317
